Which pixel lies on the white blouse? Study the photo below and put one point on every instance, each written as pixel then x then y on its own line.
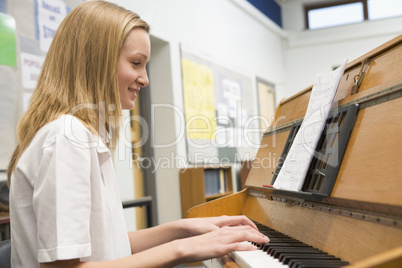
pixel 64 199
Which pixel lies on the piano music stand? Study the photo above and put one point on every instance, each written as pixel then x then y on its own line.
pixel 324 167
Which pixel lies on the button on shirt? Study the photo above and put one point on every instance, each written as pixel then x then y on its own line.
pixel 64 199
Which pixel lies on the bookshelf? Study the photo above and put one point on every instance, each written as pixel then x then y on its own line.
pixel 202 184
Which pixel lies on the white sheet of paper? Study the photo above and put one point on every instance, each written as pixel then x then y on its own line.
pixel 50 15
pixel 294 169
pixel 31 65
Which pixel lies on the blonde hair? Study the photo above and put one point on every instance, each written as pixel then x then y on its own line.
pixel 80 69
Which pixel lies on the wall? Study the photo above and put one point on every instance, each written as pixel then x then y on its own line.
pixel 308 52
pixel 231 33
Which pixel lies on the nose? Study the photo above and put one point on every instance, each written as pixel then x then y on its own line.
pixel 142 80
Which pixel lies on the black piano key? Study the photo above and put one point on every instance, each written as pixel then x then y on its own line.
pixel 282 239
pixel 300 263
pixel 281 243
pixel 275 253
pixel 321 266
pixel 286 257
pixel 292 248
pixel 273 233
pixel 266 247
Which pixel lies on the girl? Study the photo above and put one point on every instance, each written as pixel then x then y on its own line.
pixel 65 207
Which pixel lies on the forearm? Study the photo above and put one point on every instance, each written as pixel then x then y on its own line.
pixel 167 255
pixel 148 238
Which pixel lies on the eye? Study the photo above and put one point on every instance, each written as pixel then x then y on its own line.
pixel 136 63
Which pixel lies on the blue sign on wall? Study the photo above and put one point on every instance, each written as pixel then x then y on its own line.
pixel 270 9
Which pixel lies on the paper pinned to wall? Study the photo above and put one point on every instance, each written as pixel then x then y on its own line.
pixel 31 65
pixel 8 43
pixel 199 100
pixel 50 15
pixel 294 169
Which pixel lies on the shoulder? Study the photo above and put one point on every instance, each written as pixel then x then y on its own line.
pixel 62 138
pixel 69 128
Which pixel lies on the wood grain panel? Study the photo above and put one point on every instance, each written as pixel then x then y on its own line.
pixel 267 159
pixel 230 205
pixel 370 170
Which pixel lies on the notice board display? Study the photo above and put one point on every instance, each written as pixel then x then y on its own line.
pixel 220 111
pixel 27 28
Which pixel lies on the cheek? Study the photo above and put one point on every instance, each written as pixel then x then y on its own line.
pixel 125 75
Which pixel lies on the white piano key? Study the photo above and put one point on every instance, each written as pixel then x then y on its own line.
pixel 255 259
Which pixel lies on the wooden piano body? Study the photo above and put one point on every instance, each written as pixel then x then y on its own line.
pixel 361 220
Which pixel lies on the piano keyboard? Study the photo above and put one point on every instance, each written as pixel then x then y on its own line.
pixel 284 251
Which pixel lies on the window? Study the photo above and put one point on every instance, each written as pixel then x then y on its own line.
pixel 381 9
pixel 350 11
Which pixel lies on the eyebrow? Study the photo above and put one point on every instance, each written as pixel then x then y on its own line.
pixel 139 54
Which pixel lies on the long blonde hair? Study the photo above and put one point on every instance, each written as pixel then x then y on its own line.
pixel 80 69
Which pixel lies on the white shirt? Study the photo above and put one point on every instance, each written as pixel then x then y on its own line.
pixel 64 199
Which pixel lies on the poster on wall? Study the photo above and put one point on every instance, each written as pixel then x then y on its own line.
pixel 31 65
pixel 50 13
pixel 199 100
pixel 8 43
pixel 3 6
pixel 220 111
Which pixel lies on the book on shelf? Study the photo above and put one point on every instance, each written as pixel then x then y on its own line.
pixel 215 181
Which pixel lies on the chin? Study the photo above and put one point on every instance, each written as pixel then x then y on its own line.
pixel 128 106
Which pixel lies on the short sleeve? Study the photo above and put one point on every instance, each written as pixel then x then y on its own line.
pixel 62 201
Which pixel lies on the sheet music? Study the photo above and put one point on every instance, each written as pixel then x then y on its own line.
pixel 295 167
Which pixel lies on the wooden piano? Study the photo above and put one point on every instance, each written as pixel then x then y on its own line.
pixel 360 221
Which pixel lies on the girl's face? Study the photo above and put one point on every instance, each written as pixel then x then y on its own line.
pixel 132 73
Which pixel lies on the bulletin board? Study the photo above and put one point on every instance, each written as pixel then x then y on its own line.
pixel 219 109
pixel 27 28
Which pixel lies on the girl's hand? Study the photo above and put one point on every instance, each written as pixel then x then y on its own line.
pixel 220 241
pixel 198 226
